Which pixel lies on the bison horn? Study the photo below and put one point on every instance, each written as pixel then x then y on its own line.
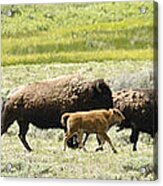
pixel 98 87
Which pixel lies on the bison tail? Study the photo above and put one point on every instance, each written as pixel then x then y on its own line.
pixel 64 119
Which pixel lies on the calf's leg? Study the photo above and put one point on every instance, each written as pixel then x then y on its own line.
pixel 68 135
pixel 80 137
pixel 99 139
pixel 106 138
pixel 101 142
pixel 86 138
pixel 72 142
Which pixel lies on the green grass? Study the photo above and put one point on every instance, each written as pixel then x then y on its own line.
pixel 76 33
pixel 37 18
pixel 78 57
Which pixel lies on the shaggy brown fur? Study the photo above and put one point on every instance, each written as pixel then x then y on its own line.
pixel 43 103
pixel 140 109
pixel 96 121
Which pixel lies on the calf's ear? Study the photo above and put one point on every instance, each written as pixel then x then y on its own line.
pixel 110 112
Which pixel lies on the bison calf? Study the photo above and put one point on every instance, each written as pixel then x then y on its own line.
pixel 95 121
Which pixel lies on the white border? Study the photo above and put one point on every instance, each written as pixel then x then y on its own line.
pixel 69 182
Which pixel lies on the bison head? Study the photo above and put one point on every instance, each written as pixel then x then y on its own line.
pixel 102 94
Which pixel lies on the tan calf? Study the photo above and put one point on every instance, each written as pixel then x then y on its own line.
pixel 95 121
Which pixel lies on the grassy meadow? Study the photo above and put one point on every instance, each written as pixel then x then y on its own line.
pixel 113 41
pixel 74 33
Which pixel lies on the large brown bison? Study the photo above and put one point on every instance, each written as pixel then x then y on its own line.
pixel 140 109
pixel 43 103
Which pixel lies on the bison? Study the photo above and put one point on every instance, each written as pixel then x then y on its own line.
pixel 94 121
pixel 140 109
pixel 43 103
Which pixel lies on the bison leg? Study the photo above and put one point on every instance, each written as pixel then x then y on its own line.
pixel 106 138
pixel 7 118
pixel 72 142
pixel 68 135
pixel 99 139
pixel 101 142
pixel 134 138
pixel 80 137
pixel 4 128
pixel 86 138
pixel 23 128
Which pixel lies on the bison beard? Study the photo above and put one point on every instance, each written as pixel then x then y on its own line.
pixel 140 109
pixel 43 103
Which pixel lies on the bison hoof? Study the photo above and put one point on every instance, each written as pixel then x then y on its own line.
pixel 84 149
pixel 30 150
pixel 99 149
pixel 115 151
pixel 134 149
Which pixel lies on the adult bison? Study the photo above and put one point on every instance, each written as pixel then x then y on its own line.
pixel 140 109
pixel 43 103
